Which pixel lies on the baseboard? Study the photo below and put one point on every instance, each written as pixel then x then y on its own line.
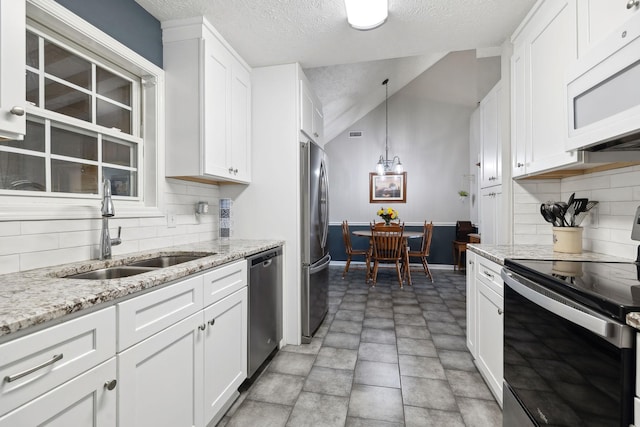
pixel 362 264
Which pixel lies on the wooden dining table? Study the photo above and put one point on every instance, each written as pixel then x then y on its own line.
pixel 406 235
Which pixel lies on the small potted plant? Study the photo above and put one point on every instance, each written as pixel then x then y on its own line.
pixel 387 214
pixel 463 195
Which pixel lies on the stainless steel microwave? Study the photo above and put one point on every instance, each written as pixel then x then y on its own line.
pixel 603 94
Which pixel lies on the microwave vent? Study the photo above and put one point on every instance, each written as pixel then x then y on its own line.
pixel 355 134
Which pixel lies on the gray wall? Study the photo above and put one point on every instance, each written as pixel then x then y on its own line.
pixel 125 21
pixel 429 130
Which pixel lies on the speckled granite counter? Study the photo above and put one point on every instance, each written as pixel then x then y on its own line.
pixel 43 295
pixel 498 253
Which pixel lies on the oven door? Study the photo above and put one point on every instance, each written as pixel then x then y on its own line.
pixel 564 364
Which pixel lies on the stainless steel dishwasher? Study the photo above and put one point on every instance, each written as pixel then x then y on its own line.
pixel 265 306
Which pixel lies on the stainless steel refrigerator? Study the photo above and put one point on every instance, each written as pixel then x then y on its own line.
pixel 315 233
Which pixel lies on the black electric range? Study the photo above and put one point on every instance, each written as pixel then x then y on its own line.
pixel 611 288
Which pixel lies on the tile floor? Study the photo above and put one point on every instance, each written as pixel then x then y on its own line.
pixel 384 356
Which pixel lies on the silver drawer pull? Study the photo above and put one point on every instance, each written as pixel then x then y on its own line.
pixel 489 275
pixel 11 378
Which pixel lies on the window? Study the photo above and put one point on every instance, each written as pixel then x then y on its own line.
pixel 81 128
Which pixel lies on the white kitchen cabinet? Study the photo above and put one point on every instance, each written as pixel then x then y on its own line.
pixel 597 19
pixel 492 216
pixel 311 117
pixel 12 63
pixel 490 140
pixel 472 324
pixel 225 352
pixel 543 47
pixel 87 400
pixel 489 329
pixel 160 379
pixel 39 362
pixel 208 105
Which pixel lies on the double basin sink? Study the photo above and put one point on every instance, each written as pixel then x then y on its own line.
pixel 138 267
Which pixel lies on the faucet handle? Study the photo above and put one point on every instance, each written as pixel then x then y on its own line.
pixel 117 240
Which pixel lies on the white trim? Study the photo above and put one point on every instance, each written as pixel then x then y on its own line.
pixel 362 264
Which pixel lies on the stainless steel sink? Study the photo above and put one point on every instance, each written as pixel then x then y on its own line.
pixel 111 273
pixel 168 260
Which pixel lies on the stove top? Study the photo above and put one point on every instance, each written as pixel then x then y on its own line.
pixel 612 288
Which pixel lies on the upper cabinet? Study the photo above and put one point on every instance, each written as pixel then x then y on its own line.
pixel 311 117
pixel 597 19
pixel 208 105
pixel 12 62
pixel 543 47
pixel 490 140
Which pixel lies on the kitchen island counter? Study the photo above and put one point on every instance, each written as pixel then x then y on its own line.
pixel 45 296
pixel 498 253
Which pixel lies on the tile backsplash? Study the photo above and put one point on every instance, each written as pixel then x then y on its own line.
pixel 607 229
pixel 25 245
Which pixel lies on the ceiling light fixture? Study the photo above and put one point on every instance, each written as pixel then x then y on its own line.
pixel 366 14
pixel 384 164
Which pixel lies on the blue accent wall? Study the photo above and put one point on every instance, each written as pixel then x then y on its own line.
pixel 125 21
pixel 441 243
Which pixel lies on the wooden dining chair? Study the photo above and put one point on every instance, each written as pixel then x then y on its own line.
pixel 387 246
pixel 425 247
pixel 346 236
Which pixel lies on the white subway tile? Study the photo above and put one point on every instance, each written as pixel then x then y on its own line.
pixel 9 264
pixel 28 243
pixel 79 238
pixel 623 208
pixel 625 179
pixel 61 226
pixel 9 229
pixel 612 194
pixel 50 258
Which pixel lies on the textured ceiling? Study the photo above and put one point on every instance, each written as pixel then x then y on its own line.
pixel 315 33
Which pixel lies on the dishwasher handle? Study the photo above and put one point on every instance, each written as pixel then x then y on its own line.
pixel 265 258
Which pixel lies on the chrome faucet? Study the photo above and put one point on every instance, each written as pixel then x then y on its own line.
pixel 107 211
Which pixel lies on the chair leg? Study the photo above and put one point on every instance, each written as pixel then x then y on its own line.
pixel 346 266
pixel 426 268
pixel 398 272
pixel 374 274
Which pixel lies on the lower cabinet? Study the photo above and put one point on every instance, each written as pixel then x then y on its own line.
pixel 485 329
pixel 87 400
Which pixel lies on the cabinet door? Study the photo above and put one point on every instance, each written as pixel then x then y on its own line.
pixel 225 351
pixel 599 18
pixel 160 380
pixel 12 73
pixel 490 138
pixel 491 216
pixel 519 104
pixel 241 124
pixel 306 110
pixel 82 401
pixel 217 102
pixel 472 321
pixel 490 337
pixel 318 123
pixel 551 47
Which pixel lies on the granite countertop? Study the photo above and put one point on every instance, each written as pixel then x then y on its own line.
pixel 498 253
pixel 35 297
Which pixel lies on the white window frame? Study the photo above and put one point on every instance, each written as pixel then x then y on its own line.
pixel 53 206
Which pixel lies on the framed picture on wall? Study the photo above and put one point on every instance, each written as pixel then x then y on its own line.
pixel 390 187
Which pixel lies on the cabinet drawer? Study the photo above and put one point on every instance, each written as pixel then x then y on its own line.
pixel 489 273
pixel 141 317
pixel 224 281
pixel 61 352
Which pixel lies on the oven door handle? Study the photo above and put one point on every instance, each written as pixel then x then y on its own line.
pixel 616 333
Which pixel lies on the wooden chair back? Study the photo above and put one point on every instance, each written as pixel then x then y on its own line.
pixel 387 242
pixel 346 236
pixel 426 238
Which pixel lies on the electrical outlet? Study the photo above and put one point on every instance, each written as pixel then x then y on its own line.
pixel 635 231
pixel 172 222
pixel 594 217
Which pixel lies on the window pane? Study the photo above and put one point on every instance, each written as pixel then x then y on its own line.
pixel 65 65
pixel 123 183
pixel 21 172
pixel 71 177
pixel 113 87
pixel 33 88
pixel 72 144
pixel 62 99
pixel 33 139
pixel 112 116
pixel 33 59
pixel 119 152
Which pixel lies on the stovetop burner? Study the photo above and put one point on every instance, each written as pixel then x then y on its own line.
pixel 612 288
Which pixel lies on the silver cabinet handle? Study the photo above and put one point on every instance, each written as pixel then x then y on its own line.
pixel 500 312
pixel 110 385
pixel 212 321
pixel 54 359
pixel 633 3
pixel 519 165
pixel 235 171
pixel 489 275
pixel 202 327
pixel 18 111
pixel 471 263
pixel 231 170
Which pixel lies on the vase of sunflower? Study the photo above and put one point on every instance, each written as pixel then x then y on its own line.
pixel 387 215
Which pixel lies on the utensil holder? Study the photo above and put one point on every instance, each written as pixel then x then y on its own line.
pixel 567 240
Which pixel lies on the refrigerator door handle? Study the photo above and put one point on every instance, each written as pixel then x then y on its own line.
pixel 324 203
pixel 320 265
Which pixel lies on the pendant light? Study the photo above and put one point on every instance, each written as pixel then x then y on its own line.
pixel 384 164
pixel 366 14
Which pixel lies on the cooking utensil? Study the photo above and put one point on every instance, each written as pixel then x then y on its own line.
pixel 577 206
pixel 559 210
pixel 548 216
pixel 583 214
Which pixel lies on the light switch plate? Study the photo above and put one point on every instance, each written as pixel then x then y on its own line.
pixel 172 222
pixel 635 231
